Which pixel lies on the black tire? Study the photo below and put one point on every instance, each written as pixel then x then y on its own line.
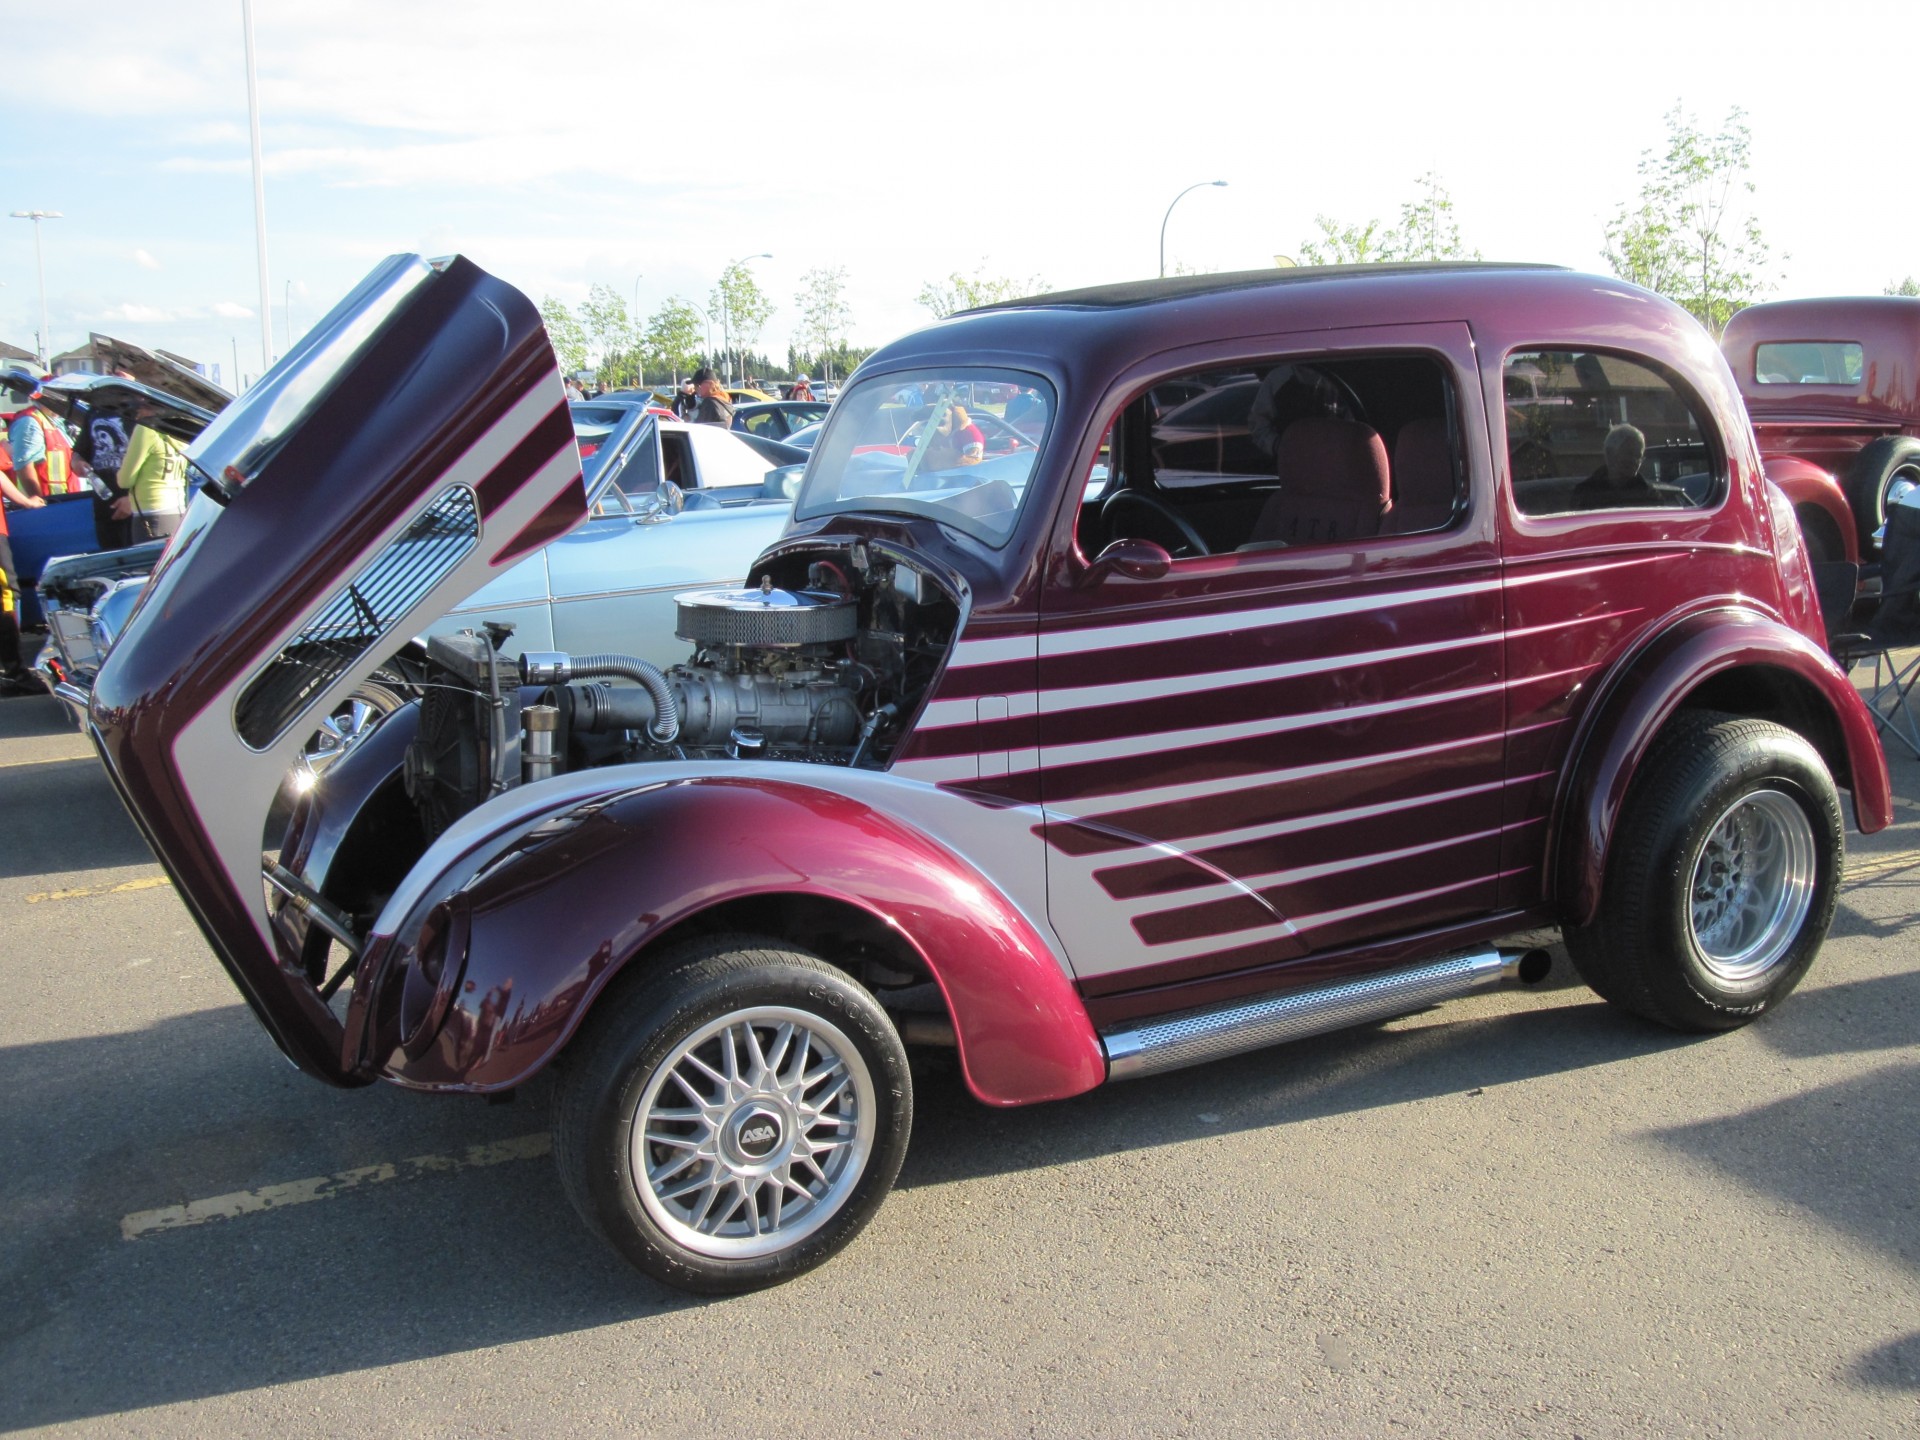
pixel 1880 468
pixel 645 1032
pixel 1726 818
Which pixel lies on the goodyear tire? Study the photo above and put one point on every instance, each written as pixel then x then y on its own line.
pixel 1721 877
pixel 1881 472
pixel 734 1117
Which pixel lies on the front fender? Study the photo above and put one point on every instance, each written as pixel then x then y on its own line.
pixel 586 890
pixel 1651 688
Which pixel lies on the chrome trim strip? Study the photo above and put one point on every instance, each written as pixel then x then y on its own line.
pixel 1192 1037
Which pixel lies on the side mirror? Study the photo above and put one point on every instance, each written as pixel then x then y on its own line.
pixel 668 501
pixel 1135 559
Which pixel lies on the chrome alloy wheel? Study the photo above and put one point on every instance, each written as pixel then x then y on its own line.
pixel 1753 884
pixel 337 735
pixel 753 1132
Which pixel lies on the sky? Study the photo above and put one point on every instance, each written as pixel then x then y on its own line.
pixel 645 147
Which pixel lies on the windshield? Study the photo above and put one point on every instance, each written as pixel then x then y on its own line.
pixel 955 446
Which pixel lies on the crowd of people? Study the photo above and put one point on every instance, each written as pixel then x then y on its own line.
pixel 137 476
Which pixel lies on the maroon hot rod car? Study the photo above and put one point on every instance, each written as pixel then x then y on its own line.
pixel 1108 752
pixel 1833 389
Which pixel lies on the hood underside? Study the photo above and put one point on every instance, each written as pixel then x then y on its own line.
pixel 414 444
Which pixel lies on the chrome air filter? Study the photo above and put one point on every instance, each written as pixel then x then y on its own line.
pixel 765 617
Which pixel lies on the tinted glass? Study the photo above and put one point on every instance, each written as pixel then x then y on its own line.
pixel 1588 431
pixel 1809 362
pixel 954 446
pixel 1282 453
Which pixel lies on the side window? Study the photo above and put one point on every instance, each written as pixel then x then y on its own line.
pixel 1588 430
pixel 1281 453
pixel 1809 362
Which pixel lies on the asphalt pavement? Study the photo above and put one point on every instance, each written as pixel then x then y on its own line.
pixel 1520 1214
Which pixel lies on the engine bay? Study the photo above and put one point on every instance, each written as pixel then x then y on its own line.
pixel 820 660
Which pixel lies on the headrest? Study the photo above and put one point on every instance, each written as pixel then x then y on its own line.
pixel 1330 456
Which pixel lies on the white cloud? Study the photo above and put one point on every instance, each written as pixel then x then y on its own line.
pixel 145 314
pixel 227 310
pixel 144 259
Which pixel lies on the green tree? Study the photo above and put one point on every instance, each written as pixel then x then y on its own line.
pixel 1427 231
pixel 609 332
pixel 968 292
pixel 672 341
pixel 740 306
pixel 569 341
pixel 825 316
pixel 1908 286
pixel 1692 235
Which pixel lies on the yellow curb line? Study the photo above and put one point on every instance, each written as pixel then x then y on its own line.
pixel 327 1187
pixel 150 882
pixel 1882 865
pixel 47 760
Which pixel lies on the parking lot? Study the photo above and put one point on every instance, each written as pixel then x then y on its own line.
pixel 1520 1214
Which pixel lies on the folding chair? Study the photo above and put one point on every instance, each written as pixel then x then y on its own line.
pixel 1895 626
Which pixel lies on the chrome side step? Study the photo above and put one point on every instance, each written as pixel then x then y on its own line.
pixel 1192 1037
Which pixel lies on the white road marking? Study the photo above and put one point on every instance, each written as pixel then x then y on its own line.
pixel 327 1187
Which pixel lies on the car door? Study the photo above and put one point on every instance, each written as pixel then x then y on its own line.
pixel 1277 751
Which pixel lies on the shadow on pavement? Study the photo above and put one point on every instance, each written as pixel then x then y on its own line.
pixel 200 1105
pixel 74 820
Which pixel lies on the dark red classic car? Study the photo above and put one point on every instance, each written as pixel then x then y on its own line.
pixel 1833 388
pixel 1120 750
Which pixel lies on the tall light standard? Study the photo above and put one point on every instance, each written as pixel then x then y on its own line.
pixel 641 365
pixel 726 314
pixel 286 314
pixel 706 320
pixel 259 195
pixel 40 264
pixel 1201 185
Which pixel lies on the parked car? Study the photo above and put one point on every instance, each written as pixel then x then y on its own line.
pixel 670 506
pixel 64 525
pixel 1833 388
pixel 778 419
pixel 1081 789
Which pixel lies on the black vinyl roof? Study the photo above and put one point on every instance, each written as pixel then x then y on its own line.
pixel 1180 287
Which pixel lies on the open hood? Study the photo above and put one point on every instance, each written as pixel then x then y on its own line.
pixel 160 371
pixel 77 396
pixel 413 445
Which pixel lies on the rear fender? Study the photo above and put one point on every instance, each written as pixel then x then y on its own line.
pixel 569 898
pixel 1809 487
pixel 1701 659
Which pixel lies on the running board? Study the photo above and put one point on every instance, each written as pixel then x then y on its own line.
pixel 1192 1037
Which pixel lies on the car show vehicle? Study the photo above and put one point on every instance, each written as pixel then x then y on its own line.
pixel 778 419
pixel 1833 389
pixel 611 580
pixel 1492 622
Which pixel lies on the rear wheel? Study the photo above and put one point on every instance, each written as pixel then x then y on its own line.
pixel 734 1118
pixel 1882 472
pixel 1721 878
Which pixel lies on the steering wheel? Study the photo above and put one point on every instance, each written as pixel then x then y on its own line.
pixel 1170 523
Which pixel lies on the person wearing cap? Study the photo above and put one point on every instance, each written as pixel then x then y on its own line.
pixel 42 453
pixel 801 390
pixel 715 406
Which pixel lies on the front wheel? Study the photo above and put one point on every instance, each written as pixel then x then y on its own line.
pixel 1721 878
pixel 735 1118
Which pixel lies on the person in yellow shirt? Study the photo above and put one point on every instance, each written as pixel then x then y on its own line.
pixel 154 475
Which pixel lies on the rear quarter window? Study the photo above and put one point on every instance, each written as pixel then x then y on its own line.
pixel 1592 430
pixel 1809 362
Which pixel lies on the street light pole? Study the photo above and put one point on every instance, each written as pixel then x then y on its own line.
pixel 40 264
pixel 1200 185
pixel 706 320
pixel 259 195
pixel 639 363
pixel 726 328
pixel 286 315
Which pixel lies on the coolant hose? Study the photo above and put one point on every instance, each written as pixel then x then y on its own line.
pixel 666 713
